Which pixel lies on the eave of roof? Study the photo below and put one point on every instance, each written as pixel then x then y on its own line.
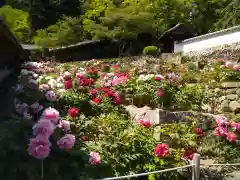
pixel 75 45
pixel 232 29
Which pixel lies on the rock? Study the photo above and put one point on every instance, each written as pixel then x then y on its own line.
pixel 230 84
pixel 225 106
pixel 143 113
pixel 238 92
pixel 217 90
pixel 159 116
pixel 234 106
pixel 232 97
pixel 231 91
pixel 222 98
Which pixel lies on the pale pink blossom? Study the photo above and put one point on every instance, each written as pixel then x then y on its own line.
pixel 51 114
pixel 65 125
pixel 94 159
pixel 51 96
pixel 39 147
pixel 43 127
pixel 229 64
pixel 67 75
pixel 236 67
pixel 44 87
pixel 66 142
pixel 36 107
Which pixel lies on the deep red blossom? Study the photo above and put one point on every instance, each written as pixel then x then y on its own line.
pixel 86 82
pixel 188 153
pixel 161 150
pixel 117 99
pixel 199 132
pixel 68 84
pixel 97 100
pixel 231 137
pixel 73 112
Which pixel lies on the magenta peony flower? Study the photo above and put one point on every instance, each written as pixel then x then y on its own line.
pixel 80 75
pixel 51 96
pixel 161 150
pixel 221 120
pixel 66 142
pixel 39 147
pixel 94 159
pixel 43 127
pixel 51 114
pixel 158 77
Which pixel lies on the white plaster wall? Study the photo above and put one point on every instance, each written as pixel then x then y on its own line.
pixel 207 41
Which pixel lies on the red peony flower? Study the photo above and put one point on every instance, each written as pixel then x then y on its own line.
pixel 231 137
pixel 188 153
pixel 68 84
pixel 73 112
pixel 145 122
pixel 199 132
pixel 97 100
pixel 161 150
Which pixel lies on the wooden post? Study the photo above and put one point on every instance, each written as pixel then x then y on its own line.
pixel 196 167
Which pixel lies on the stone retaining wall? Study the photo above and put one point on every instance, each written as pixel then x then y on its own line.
pixel 230 97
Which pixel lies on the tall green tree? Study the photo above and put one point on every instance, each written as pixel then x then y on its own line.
pixel 17 21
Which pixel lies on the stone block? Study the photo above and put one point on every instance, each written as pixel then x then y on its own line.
pixel 230 85
pixel 234 106
pixel 232 97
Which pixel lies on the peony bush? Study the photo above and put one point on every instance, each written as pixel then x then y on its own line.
pixel 75 121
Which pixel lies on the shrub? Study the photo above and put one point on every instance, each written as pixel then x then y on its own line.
pixel 150 50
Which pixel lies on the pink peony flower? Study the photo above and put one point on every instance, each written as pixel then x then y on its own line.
pixel 236 126
pixel 43 127
pixel 67 76
pixel 66 142
pixel 94 159
pixel 160 92
pixel 236 67
pixel 44 87
pixel 39 147
pixel 231 137
pixel 161 150
pixel 188 153
pixel 219 131
pixel 65 125
pixel 229 64
pixel 221 120
pixel 51 114
pixel 158 77
pixel 51 96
